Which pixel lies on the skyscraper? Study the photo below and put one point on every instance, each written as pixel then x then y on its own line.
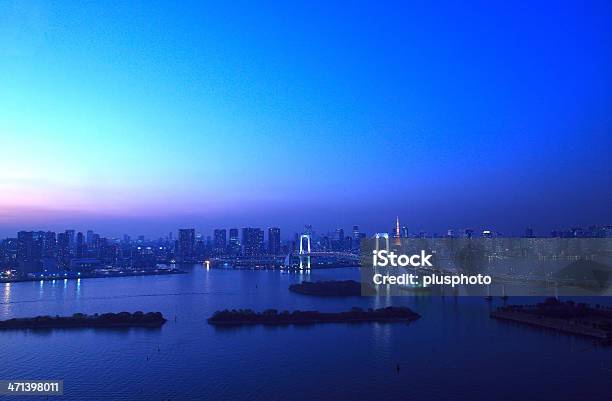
pixel 63 250
pixel 89 237
pixel 71 239
pixel 274 241
pixel 337 240
pixel 186 242
pixel 49 243
pixel 80 245
pixel 234 242
pixel 220 241
pixel 28 252
pixel 252 241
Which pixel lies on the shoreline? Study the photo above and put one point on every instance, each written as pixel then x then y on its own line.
pixel 111 273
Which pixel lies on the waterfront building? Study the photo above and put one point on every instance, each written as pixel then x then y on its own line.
pixel 220 241
pixel 274 241
pixel 252 241
pixel 80 245
pixel 186 242
pixel 29 252
pixel 234 242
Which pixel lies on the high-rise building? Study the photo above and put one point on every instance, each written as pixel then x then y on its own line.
pixel 9 249
pixel 340 234
pixel 63 251
pixel 80 245
pixel 71 239
pixel 234 242
pixel 49 243
pixel 220 241
pixel 186 242
pixel 357 237
pixel 337 242
pixel 89 237
pixel 95 242
pixel 252 241
pixel 29 252
pixel 274 243
pixel 348 243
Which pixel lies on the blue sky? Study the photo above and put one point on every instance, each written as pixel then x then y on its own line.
pixel 141 117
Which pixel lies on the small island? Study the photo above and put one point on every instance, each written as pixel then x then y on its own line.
pixel 345 288
pixel 568 317
pixel 80 320
pixel 273 317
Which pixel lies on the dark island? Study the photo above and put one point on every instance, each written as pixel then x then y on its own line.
pixel 273 317
pixel 346 288
pixel 568 317
pixel 80 320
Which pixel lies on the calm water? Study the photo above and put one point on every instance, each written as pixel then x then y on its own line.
pixel 455 352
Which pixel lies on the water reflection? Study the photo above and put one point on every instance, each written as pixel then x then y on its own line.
pixel 382 337
pixel 78 289
pixel 7 293
pixel 6 299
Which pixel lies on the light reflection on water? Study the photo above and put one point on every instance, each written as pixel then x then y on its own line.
pixel 6 299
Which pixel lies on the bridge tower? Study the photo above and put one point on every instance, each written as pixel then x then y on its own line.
pixel 384 236
pixel 302 238
pixel 305 251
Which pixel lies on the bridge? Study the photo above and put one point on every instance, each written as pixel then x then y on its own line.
pixel 305 258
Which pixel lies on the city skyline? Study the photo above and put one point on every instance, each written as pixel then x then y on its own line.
pixel 151 117
pixel 397 230
pixel 47 255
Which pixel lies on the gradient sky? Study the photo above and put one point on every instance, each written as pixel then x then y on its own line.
pixel 141 117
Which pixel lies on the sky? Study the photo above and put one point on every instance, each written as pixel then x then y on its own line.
pixel 141 117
